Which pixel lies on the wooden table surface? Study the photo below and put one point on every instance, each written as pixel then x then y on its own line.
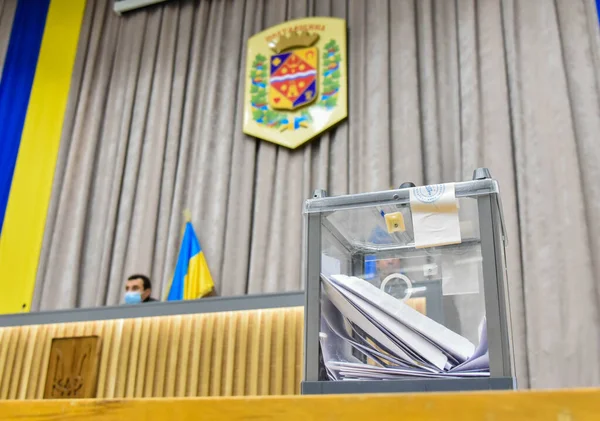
pixel 561 405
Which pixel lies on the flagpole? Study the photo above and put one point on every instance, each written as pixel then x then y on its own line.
pixel 187 217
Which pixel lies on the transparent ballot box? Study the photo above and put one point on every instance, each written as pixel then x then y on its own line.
pixel 406 290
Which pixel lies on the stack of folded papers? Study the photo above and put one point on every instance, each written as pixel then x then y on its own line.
pixel 395 340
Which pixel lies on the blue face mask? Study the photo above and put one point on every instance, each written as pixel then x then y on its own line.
pixel 133 297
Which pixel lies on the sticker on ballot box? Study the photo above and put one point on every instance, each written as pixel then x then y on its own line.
pixel 461 272
pixel 435 218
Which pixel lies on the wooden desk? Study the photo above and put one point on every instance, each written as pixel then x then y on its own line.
pixel 228 347
pixel 565 405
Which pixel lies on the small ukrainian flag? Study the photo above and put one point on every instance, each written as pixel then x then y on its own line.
pixel 192 278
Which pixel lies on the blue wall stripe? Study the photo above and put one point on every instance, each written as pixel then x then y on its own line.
pixel 15 86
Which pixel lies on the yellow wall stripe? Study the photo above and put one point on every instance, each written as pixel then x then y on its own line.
pixel 23 230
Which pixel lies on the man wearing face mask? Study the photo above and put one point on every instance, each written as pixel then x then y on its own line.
pixel 138 289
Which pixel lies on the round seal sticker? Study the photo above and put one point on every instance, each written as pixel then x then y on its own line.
pixel 429 194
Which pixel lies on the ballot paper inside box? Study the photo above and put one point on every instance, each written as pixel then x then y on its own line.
pixel 406 290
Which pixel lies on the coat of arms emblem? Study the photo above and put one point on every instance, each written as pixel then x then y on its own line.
pixel 296 80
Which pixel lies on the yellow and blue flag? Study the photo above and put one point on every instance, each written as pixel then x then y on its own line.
pixel 192 278
pixel 34 91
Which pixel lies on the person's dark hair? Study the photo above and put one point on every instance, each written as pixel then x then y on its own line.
pixel 147 283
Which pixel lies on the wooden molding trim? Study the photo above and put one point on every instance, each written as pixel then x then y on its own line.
pixel 563 405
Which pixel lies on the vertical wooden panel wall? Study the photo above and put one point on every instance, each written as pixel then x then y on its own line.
pixel 255 352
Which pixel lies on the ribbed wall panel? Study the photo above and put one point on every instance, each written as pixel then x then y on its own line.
pixel 257 352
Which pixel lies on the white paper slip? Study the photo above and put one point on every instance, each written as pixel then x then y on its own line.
pixel 330 265
pixel 446 339
pixel 461 273
pixel 435 219
pixel 480 360
pixel 334 323
pixel 365 324
pixel 402 333
pixel 363 371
